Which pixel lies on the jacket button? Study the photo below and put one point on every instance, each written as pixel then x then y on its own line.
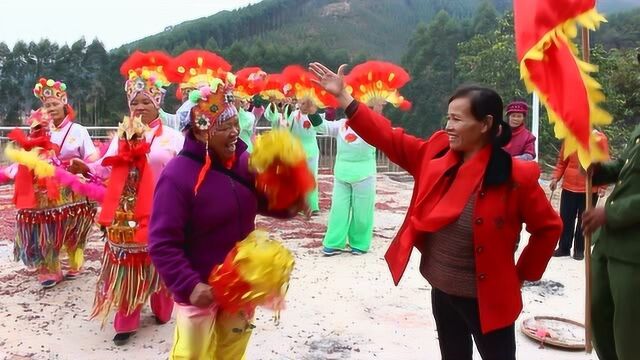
pixel 482 276
pixel 626 161
pixel 479 221
pixel 637 140
pixel 482 194
pixel 480 249
pixel 619 182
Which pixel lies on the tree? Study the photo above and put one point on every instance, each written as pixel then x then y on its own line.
pixel 212 45
pixel 431 62
pixel 485 19
pixel 490 59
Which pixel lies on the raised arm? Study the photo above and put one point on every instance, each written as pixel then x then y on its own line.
pixel 375 129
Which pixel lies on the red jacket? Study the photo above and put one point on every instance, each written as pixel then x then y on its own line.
pixel 499 213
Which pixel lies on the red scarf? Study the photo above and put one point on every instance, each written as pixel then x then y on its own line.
pixel 441 199
pixel 24 196
pixel 129 155
pixel 445 196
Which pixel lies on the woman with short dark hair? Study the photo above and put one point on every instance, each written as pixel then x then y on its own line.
pixel 469 202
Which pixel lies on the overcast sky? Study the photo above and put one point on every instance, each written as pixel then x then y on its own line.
pixel 114 22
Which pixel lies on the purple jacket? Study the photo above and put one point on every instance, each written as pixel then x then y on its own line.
pixel 188 234
pixel 522 144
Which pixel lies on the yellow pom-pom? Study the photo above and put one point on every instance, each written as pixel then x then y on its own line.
pixel 50 82
pixel 277 144
pixel 31 159
pixel 265 264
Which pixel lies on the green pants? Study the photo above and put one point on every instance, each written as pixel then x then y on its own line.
pixel 615 310
pixel 312 199
pixel 351 214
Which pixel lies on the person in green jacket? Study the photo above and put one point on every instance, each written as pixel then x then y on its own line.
pixel 354 190
pixel 246 121
pixel 302 127
pixel 277 113
pixel 615 268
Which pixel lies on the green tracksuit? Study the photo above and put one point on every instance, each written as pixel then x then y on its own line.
pixel 354 189
pixel 246 120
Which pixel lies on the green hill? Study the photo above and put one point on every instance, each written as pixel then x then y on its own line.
pixel 378 28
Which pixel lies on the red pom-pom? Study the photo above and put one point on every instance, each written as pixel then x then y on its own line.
pixel 227 285
pixel 284 185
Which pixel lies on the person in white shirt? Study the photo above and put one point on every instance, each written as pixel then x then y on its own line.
pixel 74 142
pixel 126 294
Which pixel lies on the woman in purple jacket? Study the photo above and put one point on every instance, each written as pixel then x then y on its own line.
pixel 523 144
pixel 205 201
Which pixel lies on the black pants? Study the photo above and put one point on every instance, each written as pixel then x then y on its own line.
pixel 572 206
pixel 458 320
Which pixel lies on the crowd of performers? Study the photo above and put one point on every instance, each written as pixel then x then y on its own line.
pixel 178 195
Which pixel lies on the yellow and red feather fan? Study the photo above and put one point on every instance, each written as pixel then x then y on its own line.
pixel 249 82
pixel 155 61
pixel 378 81
pixel 195 68
pixel 299 82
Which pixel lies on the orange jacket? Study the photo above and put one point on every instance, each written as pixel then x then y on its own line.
pixel 569 170
pixel 498 214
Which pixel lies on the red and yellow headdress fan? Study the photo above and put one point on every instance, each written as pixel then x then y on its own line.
pixel 46 89
pixel 194 69
pixel 250 81
pixel 145 74
pixel 377 83
pixel 211 99
pixel 274 88
pixel 298 82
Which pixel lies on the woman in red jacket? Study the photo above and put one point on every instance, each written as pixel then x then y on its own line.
pixel 469 202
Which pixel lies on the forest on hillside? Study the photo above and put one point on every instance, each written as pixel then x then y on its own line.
pixel 444 43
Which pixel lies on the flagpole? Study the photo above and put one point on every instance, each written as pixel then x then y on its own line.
pixel 587 238
pixel 535 124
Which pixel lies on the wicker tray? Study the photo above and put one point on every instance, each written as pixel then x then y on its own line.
pixel 560 333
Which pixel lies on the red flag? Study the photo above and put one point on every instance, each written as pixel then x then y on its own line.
pixel 549 65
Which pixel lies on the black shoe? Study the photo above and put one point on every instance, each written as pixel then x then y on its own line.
pixel 560 253
pixel 158 321
pixel 578 256
pixel 122 338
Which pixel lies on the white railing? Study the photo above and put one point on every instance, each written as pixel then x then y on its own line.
pixel 326 143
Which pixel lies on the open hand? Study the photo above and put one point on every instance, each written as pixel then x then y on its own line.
pixel 327 79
